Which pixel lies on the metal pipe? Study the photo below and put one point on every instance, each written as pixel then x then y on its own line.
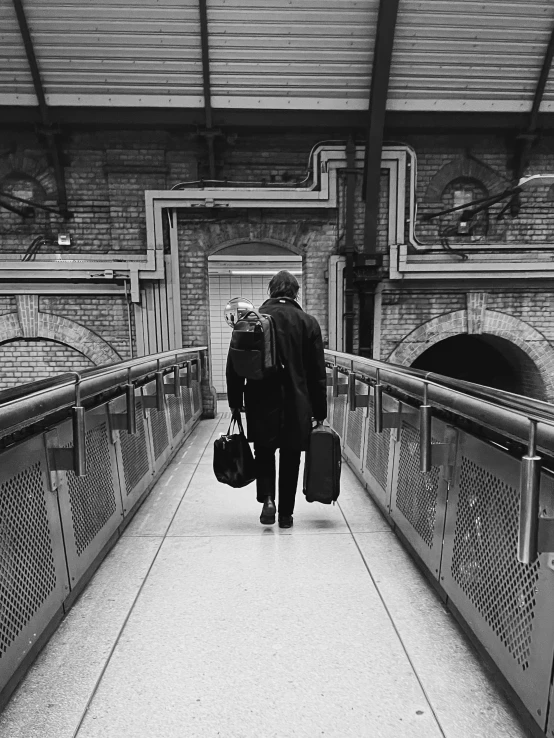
pixel 176 381
pixel 189 374
pixel 425 463
pixel 529 485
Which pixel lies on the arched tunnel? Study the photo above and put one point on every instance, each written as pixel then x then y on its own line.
pixel 485 359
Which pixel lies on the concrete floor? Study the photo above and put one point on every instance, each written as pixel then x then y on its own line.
pixel 203 623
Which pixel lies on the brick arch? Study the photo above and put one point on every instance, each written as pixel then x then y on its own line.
pixel 461 168
pixel 62 330
pixel 531 341
pixel 31 164
pixel 239 241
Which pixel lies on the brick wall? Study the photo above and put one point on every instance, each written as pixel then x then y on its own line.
pixel 28 360
pixel 108 171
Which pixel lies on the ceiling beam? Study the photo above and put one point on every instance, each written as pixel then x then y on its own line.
pixel 382 56
pixel 47 128
pixel 206 83
pixel 341 122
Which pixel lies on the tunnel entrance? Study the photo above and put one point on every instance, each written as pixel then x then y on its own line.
pixel 484 359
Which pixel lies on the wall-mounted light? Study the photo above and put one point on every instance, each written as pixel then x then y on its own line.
pixel 64 240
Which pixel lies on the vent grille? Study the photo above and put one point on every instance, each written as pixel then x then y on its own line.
pixel 354 431
pixel 378 451
pixel 92 497
pixel 174 414
pixel 484 562
pixel 416 493
pixel 159 432
pixel 134 452
pixel 27 569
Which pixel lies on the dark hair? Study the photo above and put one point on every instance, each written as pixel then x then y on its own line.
pixel 283 284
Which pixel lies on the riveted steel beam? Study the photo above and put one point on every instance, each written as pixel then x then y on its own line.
pixel 47 128
pixel 382 56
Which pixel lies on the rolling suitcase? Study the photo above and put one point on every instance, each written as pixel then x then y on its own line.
pixel 322 466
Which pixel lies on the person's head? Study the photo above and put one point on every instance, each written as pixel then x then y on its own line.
pixel 283 284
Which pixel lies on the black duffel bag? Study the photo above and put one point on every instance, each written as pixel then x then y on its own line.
pixel 233 459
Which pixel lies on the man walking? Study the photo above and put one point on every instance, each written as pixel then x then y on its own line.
pixel 280 408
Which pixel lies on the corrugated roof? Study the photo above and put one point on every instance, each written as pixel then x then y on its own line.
pixel 303 54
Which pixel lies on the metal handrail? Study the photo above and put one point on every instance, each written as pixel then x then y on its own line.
pixel 23 405
pixel 503 412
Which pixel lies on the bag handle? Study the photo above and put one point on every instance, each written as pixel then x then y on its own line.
pixel 235 418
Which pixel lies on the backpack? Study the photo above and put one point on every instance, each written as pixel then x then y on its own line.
pixel 253 350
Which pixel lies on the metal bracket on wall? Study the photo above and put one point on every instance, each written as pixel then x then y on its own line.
pixel 72 458
pixel 174 387
pixel 339 388
pixel 354 400
pixel 157 401
pixel 126 421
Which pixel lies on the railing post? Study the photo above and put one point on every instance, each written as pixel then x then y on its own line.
pixel 530 477
pixel 425 461
pixel 378 404
pixel 131 409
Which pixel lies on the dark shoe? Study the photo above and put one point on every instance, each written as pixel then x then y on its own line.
pixel 268 512
pixel 285 521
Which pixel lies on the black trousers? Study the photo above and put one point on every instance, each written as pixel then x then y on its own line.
pixel 289 465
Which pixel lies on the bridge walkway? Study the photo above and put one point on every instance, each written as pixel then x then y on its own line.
pixel 203 623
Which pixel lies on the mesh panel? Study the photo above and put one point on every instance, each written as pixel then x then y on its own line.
pixel 92 497
pixel 187 407
pixel 159 432
pixel 338 414
pixel 197 396
pixel 27 570
pixel 134 452
pixel 416 493
pixel 174 414
pixel 354 431
pixel 378 450
pixel 484 562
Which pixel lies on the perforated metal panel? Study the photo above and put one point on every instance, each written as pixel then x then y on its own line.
pixel 354 431
pixel 134 453
pixel 33 580
pixel 197 394
pixel 508 604
pixel 339 406
pixel 159 432
pixel 377 450
pixel 186 394
pixel 174 415
pixel 90 506
pixel 92 497
pixel 418 500
pixel 416 493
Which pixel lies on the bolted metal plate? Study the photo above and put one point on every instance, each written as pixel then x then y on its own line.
pixel 508 604
pixel 90 506
pixel 33 577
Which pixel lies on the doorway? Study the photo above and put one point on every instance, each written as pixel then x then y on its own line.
pixel 242 270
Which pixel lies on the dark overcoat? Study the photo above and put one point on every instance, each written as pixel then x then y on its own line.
pixel 279 409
